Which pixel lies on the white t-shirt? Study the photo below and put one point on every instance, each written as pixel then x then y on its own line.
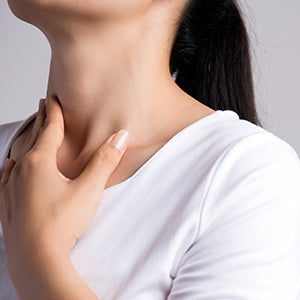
pixel 213 214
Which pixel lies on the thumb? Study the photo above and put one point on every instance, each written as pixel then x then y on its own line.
pixel 103 162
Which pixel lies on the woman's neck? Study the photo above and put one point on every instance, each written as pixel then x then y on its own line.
pixel 108 83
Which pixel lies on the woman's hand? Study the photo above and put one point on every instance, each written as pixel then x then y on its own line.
pixel 42 212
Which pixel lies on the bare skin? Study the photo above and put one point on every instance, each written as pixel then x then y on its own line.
pixel 110 70
pixel 41 224
pixel 132 159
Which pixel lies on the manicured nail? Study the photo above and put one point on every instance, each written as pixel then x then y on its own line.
pixel 119 139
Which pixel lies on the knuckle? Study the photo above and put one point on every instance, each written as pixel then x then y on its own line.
pixel 15 170
pixel 31 158
pixel 108 156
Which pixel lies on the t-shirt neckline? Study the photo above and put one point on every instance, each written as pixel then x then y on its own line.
pixel 204 120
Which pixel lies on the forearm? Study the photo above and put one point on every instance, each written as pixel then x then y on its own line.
pixel 53 279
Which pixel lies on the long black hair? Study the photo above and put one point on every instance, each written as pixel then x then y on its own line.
pixel 211 57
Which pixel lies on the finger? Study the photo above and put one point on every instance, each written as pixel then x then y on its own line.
pixel 38 124
pixel 5 206
pixel 10 163
pixel 51 137
pixel 3 213
pixel 103 163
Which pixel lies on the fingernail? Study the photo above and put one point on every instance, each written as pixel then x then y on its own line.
pixel 119 139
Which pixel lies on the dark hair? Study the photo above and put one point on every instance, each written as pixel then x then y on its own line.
pixel 211 57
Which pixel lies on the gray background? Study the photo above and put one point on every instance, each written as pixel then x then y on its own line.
pixel 274 30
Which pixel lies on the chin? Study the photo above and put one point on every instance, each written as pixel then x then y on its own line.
pixel 31 10
pixel 26 9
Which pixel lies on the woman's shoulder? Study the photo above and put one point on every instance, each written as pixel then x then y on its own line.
pixel 240 137
pixel 251 148
pixel 255 172
pixel 13 134
pixel 248 160
pixel 6 129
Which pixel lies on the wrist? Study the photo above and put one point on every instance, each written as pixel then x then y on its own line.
pixel 49 276
pixel 41 273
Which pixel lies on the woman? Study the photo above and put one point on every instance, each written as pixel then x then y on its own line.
pixel 200 202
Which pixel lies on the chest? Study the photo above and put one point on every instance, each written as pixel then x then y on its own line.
pixel 131 162
pixel 133 245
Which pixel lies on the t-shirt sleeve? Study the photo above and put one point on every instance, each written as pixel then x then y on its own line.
pixel 248 241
